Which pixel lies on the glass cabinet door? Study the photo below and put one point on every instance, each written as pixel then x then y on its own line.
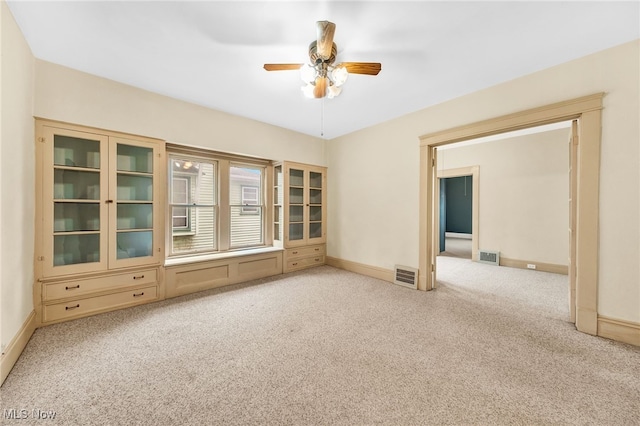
pixel 315 206
pixel 74 215
pixel 296 205
pixel 278 201
pixel 131 236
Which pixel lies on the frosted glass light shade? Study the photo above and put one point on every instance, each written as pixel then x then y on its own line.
pixel 308 90
pixel 339 75
pixel 307 73
pixel 333 91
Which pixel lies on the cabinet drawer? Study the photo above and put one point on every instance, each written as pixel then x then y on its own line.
pixel 90 305
pixel 61 290
pixel 307 262
pixel 296 253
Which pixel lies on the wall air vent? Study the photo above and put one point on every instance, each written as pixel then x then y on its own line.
pixel 490 257
pixel 406 276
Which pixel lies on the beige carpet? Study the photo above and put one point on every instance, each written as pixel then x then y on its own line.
pixel 457 247
pixel 490 346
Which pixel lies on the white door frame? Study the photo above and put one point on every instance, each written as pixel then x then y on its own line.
pixel 588 111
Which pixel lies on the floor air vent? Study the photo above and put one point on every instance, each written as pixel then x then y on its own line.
pixel 490 257
pixel 406 276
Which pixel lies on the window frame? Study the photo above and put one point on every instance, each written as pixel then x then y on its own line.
pixel 222 223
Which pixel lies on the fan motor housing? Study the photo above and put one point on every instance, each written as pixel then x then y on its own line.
pixel 316 59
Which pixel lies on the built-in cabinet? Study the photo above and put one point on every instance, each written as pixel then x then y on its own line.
pixel 300 214
pixel 100 220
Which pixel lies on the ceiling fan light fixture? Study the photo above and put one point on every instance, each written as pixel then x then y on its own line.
pixel 333 91
pixel 339 75
pixel 308 90
pixel 308 73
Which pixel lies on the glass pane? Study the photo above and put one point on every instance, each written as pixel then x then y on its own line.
pixel 76 152
pixel 278 181
pixel 315 213
pixel 134 244
pixel 295 231
pixel 296 195
pixel 278 214
pixel 245 185
pixel 135 216
pixel 295 214
pixel 315 180
pixel 315 230
pixel 136 188
pixel 76 185
pixel 134 159
pixel 192 182
pixel 277 230
pixel 315 196
pixel 296 177
pixel 73 249
pixel 193 229
pixel 246 229
pixel 69 217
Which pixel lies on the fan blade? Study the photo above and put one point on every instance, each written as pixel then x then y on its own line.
pixel 325 31
pixel 321 87
pixel 369 68
pixel 282 67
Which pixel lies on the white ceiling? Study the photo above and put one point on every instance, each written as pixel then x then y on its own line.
pixel 211 52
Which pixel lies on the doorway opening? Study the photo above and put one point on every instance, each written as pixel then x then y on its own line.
pixel 583 262
pixel 458 212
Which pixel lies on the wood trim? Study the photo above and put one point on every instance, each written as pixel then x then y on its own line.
pixel 587 110
pixel 620 330
pixel 553 113
pixel 205 275
pixel 540 266
pixel 88 129
pixel 361 268
pixel 16 346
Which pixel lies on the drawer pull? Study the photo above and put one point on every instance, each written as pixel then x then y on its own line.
pixel 295 252
pixel 138 294
pixel 294 264
pixel 317 248
pixel 72 288
pixel 139 277
pixel 68 308
pixel 317 259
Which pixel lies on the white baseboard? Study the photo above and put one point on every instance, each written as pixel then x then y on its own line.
pixel 16 346
pixel 622 331
pixel 361 268
pixel 458 235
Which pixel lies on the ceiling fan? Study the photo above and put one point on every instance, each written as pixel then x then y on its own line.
pixel 323 78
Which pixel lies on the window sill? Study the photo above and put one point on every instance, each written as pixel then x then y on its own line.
pixel 174 261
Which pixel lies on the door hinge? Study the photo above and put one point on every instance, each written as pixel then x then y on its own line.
pixel 433 267
pixel 433 162
pixel 43 140
pixel 40 258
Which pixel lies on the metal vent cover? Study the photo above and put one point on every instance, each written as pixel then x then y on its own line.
pixel 405 276
pixel 490 257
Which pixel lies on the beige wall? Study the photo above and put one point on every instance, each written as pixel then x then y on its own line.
pixel 17 178
pixel 374 173
pixel 524 188
pixel 73 96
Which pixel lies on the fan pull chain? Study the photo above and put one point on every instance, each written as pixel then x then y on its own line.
pixel 322 119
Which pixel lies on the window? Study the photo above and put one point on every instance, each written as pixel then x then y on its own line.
pixel 247 224
pixel 216 202
pixel 250 197
pixel 193 205
pixel 180 195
